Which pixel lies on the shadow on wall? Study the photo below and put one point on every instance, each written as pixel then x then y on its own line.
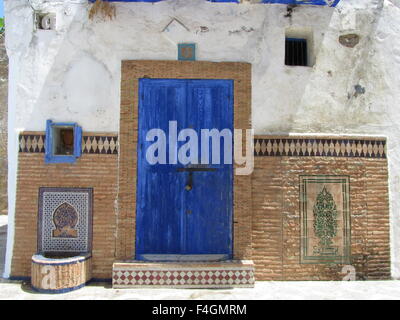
pixel 3 125
pixel 341 109
pixel 329 95
pixel 3 245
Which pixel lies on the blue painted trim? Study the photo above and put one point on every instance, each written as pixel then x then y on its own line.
pixel 49 156
pixel 224 257
pixel 235 1
pixel 287 2
pixel 93 280
pixel 130 0
pixel 49 291
pixel 301 2
pixel 18 278
pixel 97 280
pixel 297 39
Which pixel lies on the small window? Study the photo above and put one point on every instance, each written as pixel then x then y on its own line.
pixel 296 52
pixel 63 142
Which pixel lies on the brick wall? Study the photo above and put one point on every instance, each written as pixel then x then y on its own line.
pixel 94 170
pixel 273 209
pixel 277 217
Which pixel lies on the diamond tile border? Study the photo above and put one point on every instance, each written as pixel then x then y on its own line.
pixel 91 144
pixel 263 146
pixel 226 274
pixel 320 147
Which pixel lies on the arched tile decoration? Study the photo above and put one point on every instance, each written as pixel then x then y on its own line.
pixel 65 220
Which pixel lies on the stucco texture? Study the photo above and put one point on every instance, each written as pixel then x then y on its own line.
pixel 74 72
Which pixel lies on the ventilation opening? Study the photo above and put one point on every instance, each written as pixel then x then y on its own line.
pixel 45 21
pixel 296 52
pixel 63 140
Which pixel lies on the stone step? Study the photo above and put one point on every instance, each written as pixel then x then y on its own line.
pixel 185 274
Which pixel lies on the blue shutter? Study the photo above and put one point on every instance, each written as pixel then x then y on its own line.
pixel 48 142
pixel 49 156
pixel 77 141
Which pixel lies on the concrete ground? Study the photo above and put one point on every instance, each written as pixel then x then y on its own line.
pixel 315 290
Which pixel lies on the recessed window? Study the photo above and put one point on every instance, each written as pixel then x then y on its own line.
pixel 296 52
pixel 63 142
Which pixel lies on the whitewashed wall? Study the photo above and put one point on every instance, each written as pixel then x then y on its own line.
pixel 73 73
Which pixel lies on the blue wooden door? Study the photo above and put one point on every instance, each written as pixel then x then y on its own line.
pixel 184 209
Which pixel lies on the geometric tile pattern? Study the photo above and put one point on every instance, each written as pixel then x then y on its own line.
pixel 225 274
pixel 50 200
pixel 321 147
pixel 325 219
pixel 35 143
pixel 32 143
pixel 100 144
pixel 263 147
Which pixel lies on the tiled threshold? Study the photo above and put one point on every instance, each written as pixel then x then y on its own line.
pixel 184 274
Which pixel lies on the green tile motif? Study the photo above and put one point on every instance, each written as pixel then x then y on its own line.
pixel 325 219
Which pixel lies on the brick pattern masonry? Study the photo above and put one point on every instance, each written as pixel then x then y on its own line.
pixel 92 170
pixel 276 235
pixel 276 216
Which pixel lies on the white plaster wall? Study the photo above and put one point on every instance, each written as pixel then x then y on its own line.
pixel 73 73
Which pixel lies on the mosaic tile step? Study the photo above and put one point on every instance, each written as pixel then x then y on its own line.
pixel 221 274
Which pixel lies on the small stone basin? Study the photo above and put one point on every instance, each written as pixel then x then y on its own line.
pixel 59 273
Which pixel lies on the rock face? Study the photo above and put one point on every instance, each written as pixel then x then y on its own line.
pixel 3 125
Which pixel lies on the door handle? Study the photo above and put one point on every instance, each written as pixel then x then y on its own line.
pixel 189 184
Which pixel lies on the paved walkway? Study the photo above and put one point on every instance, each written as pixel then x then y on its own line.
pixel 263 290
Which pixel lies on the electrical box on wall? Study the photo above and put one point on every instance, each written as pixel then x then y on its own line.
pixel 45 21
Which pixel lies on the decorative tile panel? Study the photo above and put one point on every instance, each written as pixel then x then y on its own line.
pixel 187 51
pixel 325 219
pixel 65 220
pixel 35 143
pixel 321 147
pixel 225 274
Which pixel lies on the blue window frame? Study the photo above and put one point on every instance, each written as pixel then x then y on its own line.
pixel 63 142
